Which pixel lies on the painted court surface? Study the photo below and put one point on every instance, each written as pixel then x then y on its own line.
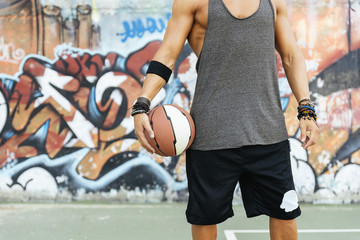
pixel 80 221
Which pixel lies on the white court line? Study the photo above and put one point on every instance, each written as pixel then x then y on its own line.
pixel 230 234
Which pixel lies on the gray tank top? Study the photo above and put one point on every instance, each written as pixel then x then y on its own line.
pixel 237 100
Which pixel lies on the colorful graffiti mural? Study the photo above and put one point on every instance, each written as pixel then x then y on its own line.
pixel 79 106
pixel 70 73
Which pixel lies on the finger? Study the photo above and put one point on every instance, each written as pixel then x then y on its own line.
pixel 147 149
pixel 147 144
pixel 311 140
pixel 305 142
pixel 314 133
pixel 302 132
pixel 149 130
pixel 141 123
pixel 144 142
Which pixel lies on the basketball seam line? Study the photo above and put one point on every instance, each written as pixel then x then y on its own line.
pixel 151 124
pixel 172 128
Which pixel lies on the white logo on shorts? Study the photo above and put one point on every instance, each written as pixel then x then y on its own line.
pixel 290 201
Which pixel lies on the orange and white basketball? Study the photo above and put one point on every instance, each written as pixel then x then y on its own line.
pixel 174 130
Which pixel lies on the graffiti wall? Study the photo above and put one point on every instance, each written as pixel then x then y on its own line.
pixel 71 70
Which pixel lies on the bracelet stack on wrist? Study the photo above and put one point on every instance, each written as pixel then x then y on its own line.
pixel 142 105
pixel 306 110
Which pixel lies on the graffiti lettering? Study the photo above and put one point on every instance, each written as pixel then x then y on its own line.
pixel 137 27
pixel 9 53
pixel 49 81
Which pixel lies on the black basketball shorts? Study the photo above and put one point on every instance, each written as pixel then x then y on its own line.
pixel 265 178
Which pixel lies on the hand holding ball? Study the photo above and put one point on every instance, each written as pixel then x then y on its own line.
pixel 174 130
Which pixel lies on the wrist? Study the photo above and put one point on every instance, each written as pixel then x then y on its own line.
pixel 144 100
pixel 306 110
pixel 304 100
pixel 142 105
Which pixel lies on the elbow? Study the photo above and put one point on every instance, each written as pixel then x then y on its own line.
pixel 292 57
pixel 164 58
pixel 167 60
pixel 167 56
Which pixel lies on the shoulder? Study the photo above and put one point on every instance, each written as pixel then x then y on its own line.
pixel 188 6
pixel 279 6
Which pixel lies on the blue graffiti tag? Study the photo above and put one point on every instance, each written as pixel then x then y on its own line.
pixel 138 27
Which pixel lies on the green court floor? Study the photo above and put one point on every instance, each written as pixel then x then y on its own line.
pixel 110 221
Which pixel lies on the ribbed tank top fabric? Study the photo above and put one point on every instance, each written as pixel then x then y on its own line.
pixel 237 101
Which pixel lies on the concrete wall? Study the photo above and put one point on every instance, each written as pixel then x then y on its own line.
pixel 70 73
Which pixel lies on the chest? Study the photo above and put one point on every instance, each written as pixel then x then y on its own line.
pixel 241 9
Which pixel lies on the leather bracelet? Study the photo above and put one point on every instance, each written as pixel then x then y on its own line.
pixel 143 100
pixel 142 105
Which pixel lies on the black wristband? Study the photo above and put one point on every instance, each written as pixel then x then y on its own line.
pixel 159 69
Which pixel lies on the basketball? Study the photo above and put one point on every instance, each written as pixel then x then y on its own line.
pixel 174 130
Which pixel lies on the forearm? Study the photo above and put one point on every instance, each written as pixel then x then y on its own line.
pixel 153 83
pixel 295 70
pixel 291 56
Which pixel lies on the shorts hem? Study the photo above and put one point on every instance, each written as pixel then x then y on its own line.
pixel 194 221
pixel 295 214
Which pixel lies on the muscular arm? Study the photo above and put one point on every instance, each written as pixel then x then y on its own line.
pixel 292 58
pixel 176 33
pixel 295 69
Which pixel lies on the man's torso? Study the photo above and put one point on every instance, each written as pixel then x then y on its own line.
pixel 237 80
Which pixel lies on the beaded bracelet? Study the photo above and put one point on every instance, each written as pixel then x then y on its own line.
pixel 305 100
pixel 307 115
pixel 306 110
